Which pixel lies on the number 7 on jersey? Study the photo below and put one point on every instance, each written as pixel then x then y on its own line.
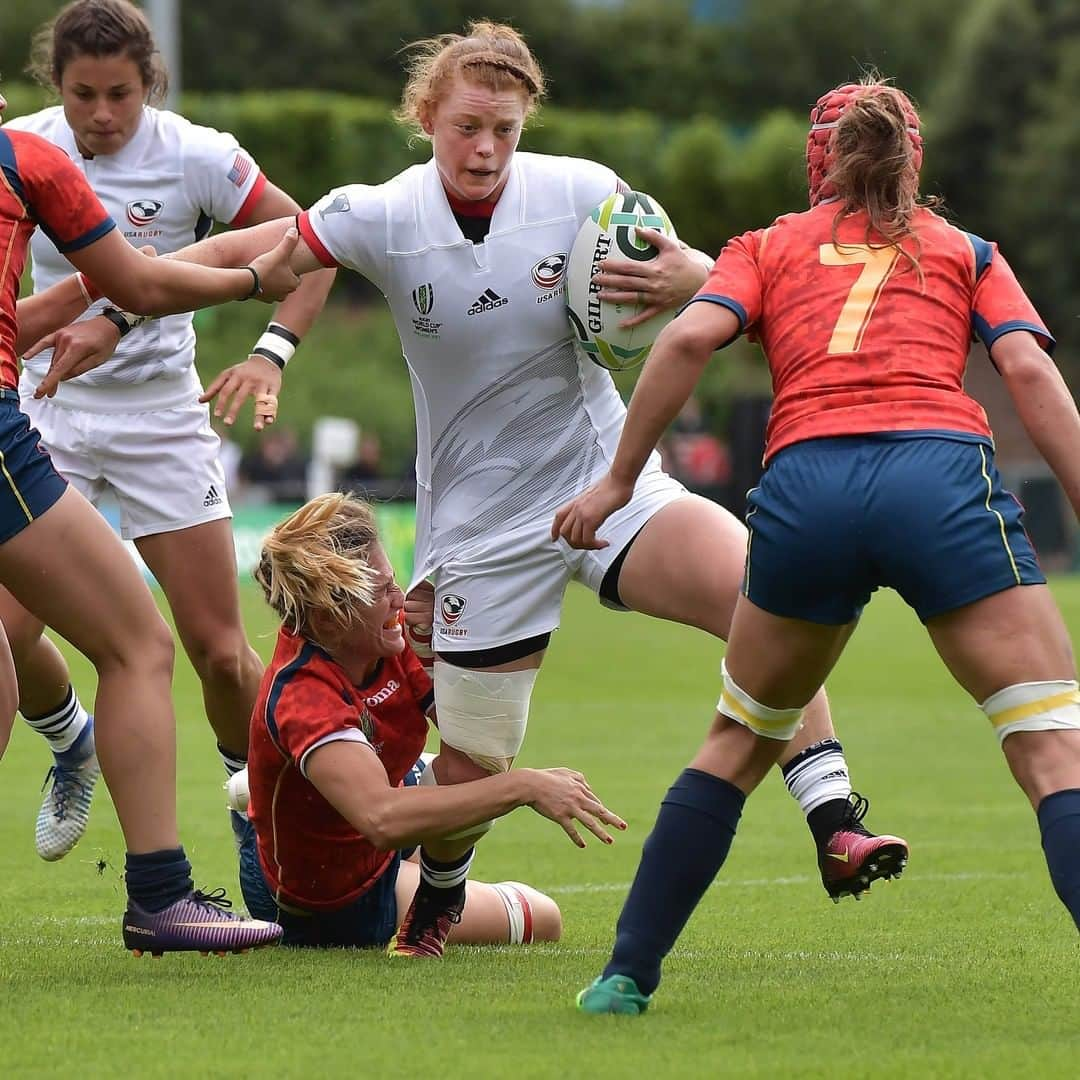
pixel 877 265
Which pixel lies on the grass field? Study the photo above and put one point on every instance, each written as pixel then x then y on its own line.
pixel 965 968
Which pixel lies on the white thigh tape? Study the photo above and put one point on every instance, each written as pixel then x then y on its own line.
pixel 1034 706
pixel 781 724
pixel 483 713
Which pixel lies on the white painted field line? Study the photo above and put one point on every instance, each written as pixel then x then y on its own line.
pixel 768 883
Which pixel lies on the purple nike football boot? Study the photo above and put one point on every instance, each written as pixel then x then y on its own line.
pixel 197 922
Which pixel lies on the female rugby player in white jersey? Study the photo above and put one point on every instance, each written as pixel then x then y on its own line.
pixel 510 422
pixel 135 427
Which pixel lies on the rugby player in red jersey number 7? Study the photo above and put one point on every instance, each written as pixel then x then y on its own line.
pixel 879 472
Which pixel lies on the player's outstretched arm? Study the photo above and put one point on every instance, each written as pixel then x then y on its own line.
pixel 670 374
pixel 47 311
pixel 1044 404
pixel 146 286
pixel 351 778
pixel 181 287
pixel 260 375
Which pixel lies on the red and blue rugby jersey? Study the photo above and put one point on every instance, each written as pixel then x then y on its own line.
pixel 856 341
pixel 311 856
pixel 38 186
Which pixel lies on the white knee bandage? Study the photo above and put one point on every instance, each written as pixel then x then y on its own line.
pixel 780 724
pixel 1034 706
pixel 518 912
pixel 483 713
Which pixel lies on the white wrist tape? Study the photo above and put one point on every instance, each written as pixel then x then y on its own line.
pixel 277 344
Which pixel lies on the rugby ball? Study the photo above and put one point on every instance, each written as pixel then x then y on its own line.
pixel 611 230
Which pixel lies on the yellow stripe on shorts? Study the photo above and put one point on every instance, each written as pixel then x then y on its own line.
pixel 1001 520
pixel 14 490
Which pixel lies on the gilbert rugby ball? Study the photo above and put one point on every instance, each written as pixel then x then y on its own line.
pixel 610 230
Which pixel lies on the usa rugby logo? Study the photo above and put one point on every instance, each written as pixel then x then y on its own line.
pixel 547 273
pixel 141 212
pixel 453 607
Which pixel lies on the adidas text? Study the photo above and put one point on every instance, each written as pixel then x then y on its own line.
pixel 489 301
pixel 212 497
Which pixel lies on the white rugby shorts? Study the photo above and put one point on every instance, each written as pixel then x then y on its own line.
pixel 514 588
pixel 160 463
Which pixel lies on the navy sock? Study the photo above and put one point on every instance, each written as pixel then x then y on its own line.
pixel 1059 822
pixel 158 878
pixel 682 855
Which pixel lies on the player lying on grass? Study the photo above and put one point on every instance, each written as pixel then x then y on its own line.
pixel 879 472
pixel 340 722
pixel 512 422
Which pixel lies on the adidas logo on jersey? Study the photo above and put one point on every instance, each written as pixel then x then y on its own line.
pixel 212 497
pixel 489 301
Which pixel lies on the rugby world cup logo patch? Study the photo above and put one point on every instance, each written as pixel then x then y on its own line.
pixel 423 298
pixel 453 607
pixel 548 273
pixel 141 212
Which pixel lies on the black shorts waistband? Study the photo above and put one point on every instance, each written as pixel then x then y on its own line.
pixel 7 394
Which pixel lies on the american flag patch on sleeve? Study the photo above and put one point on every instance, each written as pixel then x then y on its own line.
pixel 241 170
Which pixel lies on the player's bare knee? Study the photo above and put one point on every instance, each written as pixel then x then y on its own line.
pixel 146 645
pixel 24 634
pixel 225 661
pixel 547 918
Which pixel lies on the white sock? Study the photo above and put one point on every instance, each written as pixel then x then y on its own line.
pixel 818 775
pixel 449 875
pixel 64 724
pixel 232 763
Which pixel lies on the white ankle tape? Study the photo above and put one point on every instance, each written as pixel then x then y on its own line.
pixel 1034 706
pixel 781 724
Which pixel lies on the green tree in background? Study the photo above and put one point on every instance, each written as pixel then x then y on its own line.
pixel 1005 147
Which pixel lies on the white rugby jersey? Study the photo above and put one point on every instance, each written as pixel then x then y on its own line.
pixel 165 188
pixel 510 421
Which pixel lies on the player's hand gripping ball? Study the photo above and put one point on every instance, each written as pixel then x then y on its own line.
pixel 612 230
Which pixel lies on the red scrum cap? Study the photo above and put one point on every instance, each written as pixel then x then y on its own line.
pixel 824 117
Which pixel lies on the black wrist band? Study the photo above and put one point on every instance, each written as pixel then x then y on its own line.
pixel 117 320
pixel 256 284
pixel 284 332
pixel 267 354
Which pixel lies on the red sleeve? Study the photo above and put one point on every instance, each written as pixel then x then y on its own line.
pixel 248 205
pixel 318 248
pixel 735 281
pixel 1000 304
pixel 304 706
pixel 58 195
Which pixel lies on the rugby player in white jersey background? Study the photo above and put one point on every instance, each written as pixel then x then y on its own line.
pixel 467 250
pixel 135 427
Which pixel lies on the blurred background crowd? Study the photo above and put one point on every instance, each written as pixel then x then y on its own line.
pixel 702 103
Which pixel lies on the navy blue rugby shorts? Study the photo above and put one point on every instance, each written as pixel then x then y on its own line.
pixel 29 484
pixel 923 513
